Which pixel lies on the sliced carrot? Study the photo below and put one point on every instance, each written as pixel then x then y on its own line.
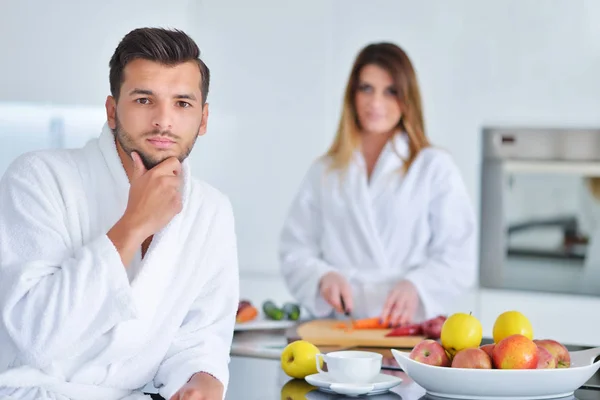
pixel 370 323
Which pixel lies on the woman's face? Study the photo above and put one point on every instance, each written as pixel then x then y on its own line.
pixel 376 100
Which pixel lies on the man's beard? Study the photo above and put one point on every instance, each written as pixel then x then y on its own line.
pixel 127 144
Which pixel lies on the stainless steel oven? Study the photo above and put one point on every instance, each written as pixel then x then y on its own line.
pixel 540 210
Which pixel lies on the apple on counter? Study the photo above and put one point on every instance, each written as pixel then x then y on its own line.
pixel 299 359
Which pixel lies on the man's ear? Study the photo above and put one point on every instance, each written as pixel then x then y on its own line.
pixel 204 123
pixel 111 112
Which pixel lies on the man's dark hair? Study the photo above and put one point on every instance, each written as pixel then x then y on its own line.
pixel 165 46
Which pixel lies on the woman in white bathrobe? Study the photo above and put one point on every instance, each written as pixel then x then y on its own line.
pixel 383 219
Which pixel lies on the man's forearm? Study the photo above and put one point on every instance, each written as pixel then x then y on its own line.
pixel 126 239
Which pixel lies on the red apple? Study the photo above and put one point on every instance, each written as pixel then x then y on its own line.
pixel 430 352
pixel 432 328
pixel 488 348
pixel 472 358
pixel 515 352
pixel 545 359
pixel 560 352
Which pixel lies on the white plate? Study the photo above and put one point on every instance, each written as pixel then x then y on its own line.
pixel 482 384
pixel 262 323
pixel 322 395
pixel 351 389
pixel 381 384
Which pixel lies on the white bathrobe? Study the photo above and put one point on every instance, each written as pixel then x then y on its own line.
pixel 420 227
pixel 74 324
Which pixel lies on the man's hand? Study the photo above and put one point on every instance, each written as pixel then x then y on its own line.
pixel 201 386
pixel 154 199
pixel 154 195
pixel 334 286
pixel 401 305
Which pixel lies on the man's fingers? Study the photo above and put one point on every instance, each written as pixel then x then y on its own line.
pixel 169 182
pixel 170 166
pixel 138 166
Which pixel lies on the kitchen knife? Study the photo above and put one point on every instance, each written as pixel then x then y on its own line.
pixel 346 312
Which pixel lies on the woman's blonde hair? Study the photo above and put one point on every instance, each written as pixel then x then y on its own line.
pixel 395 61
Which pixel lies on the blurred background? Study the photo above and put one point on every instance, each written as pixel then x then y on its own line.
pixel 511 89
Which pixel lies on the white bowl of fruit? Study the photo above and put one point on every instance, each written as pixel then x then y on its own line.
pixel 515 366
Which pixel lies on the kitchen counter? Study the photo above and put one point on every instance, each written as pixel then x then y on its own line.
pixel 256 372
pixel 263 379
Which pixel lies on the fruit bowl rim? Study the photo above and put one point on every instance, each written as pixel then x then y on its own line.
pixel 593 352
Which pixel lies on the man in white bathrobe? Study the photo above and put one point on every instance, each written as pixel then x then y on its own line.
pixel 117 268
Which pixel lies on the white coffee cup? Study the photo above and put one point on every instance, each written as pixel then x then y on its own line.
pixel 351 366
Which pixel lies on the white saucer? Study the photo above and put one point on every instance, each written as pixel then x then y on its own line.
pixel 380 384
pixel 352 389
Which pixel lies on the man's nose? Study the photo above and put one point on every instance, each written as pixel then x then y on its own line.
pixel 163 119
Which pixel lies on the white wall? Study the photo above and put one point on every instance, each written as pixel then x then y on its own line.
pixel 278 76
pixel 281 72
pixel 58 51
pixel 270 63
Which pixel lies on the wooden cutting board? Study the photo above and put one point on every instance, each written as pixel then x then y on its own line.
pixel 325 332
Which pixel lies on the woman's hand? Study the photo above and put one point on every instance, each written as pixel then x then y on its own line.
pixel 401 304
pixel 334 286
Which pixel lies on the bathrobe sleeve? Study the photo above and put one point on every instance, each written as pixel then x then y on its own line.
pixel 300 255
pixel 204 339
pixel 54 297
pixel 451 264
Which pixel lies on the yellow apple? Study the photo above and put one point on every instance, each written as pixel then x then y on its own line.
pixel 299 360
pixel 461 331
pixel 511 323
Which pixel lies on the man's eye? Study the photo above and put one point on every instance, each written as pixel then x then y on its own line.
pixel 183 104
pixel 143 100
